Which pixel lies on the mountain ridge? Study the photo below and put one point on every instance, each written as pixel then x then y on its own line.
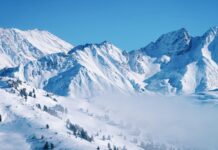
pixel 175 63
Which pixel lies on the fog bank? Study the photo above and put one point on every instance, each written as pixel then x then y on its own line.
pixel 175 119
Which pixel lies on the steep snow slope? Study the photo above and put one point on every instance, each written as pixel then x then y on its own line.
pixel 85 71
pixel 187 64
pixel 18 47
pixel 103 67
pixel 45 41
pixel 96 68
pixel 174 42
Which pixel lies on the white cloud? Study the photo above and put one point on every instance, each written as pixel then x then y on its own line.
pixel 175 119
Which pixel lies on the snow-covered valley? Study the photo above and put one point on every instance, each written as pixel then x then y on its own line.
pixel 114 121
pixel 96 96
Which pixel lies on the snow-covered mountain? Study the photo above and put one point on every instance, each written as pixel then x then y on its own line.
pixel 49 93
pixel 85 71
pixel 189 65
pixel 175 63
pixel 19 47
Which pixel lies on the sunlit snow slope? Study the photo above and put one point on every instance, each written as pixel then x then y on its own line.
pixel 18 47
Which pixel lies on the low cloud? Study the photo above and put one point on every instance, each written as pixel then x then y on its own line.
pixel 175 119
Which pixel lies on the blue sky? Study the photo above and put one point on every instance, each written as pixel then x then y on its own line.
pixel 129 24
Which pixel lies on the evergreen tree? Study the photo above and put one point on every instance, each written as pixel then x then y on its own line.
pixel 25 97
pixel 115 148
pixel 23 93
pixel 109 146
pixel 92 138
pixel 83 134
pixel 55 99
pixel 46 146
pixel 78 131
pixel 47 126
pixel 52 146
pixel 38 106
pixel 45 108
pixel 103 138
pixel 30 94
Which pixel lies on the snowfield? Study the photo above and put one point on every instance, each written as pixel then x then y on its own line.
pixel 18 141
pixel 28 118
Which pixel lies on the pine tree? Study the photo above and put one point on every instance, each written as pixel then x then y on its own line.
pixel 115 148
pixel 103 138
pixel 23 93
pixel 92 138
pixel 34 91
pixel 38 106
pixel 52 146
pixel 30 94
pixel 45 108
pixel 25 97
pixel 47 126
pixel 55 99
pixel 46 145
pixel 109 146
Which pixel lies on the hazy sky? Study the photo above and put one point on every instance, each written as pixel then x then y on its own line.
pixel 129 24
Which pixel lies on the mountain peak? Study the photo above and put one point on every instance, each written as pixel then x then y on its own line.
pixel 180 33
pixel 183 30
pixel 169 43
pixel 101 46
pixel 18 46
pixel 215 28
pixel 16 30
pixel 212 31
pixel 106 43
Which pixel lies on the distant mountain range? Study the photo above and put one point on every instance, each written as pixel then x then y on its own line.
pixel 176 63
